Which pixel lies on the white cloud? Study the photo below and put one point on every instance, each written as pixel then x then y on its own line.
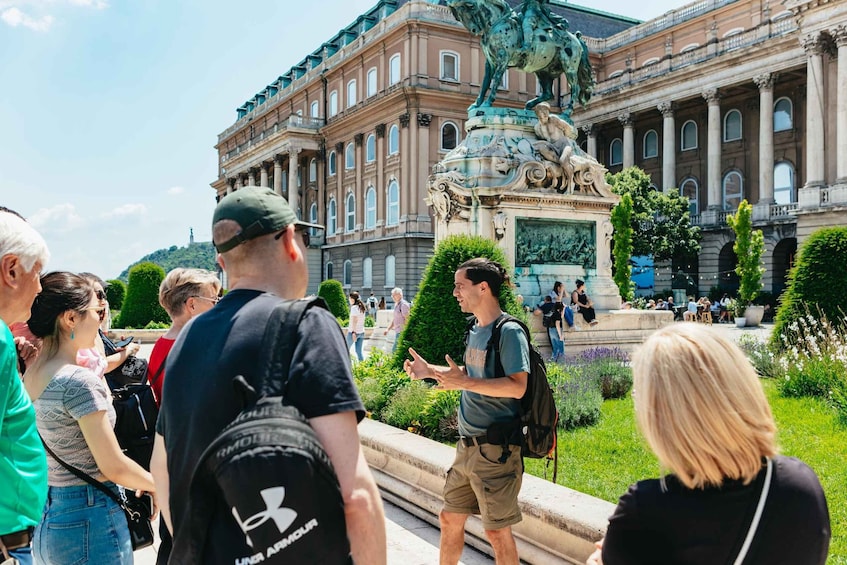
pixel 61 218
pixel 98 4
pixel 174 190
pixel 127 210
pixel 15 17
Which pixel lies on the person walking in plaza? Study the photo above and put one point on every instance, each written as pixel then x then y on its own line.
pixel 401 314
pixel 75 417
pixel 356 324
pixel 23 463
pixel 730 497
pixel 485 401
pixel 261 247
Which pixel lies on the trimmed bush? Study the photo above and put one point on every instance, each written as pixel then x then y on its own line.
pixel 333 294
pixel 436 325
pixel 406 406
pixel 817 281
pixel 622 251
pixel 377 381
pixel 115 293
pixel 142 297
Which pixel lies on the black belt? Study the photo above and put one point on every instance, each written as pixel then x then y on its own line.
pixel 17 540
pixel 475 440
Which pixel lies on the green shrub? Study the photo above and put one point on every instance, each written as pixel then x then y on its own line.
pixel 817 281
pixel 622 249
pixel 440 417
pixel 761 356
pixel 333 294
pixel 436 325
pixel 142 297
pixel 157 326
pixel 377 381
pixel 370 322
pixel 115 293
pixel 577 395
pixel 406 406
pixel 609 368
pixel 749 246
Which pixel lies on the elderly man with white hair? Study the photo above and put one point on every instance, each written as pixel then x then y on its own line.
pixel 401 314
pixel 23 464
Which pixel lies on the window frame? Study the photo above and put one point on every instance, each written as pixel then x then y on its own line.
pixel 351 88
pixel 331 217
pixel 370 208
pixel 390 271
pixel 740 194
pixel 790 114
pixel 370 149
pixel 692 201
pixel 393 140
pixel 333 103
pixel 619 142
pixel 791 189
pixel 392 205
pixel 733 112
pixel 350 213
pixel 372 73
pixel 367 272
pixel 332 165
pixel 644 145
pixel 441 136
pixel 313 170
pixel 442 56
pixel 682 146
pixel 347 274
pixel 349 157
pixel 394 69
pixel 313 218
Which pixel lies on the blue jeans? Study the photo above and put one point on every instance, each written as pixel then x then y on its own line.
pixel 82 525
pixel 360 339
pixel 23 555
pixel 557 344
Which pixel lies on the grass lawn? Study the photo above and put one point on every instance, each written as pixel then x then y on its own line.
pixel 605 459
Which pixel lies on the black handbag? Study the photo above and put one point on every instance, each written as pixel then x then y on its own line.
pixel 136 412
pixel 136 510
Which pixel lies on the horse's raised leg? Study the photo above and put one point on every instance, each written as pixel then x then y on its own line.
pixel 483 89
pixel 546 81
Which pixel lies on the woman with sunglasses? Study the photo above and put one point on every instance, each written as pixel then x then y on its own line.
pixel 75 419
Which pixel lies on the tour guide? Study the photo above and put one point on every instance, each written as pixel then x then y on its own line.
pixel 485 477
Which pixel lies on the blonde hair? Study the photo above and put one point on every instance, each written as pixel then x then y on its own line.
pixel 181 284
pixel 701 407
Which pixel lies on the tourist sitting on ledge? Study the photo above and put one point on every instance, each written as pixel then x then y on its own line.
pixel 583 304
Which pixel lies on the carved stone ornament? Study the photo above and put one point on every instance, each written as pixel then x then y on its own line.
pixel 625 119
pixel 380 130
pixel 404 120
pixel 764 81
pixel 813 44
pixel 666 109
pixel 339 147
pixel 839 34
pixel 500 220
pixel 424 120
pixel 588 130
pixel 358 139
pixel 712 96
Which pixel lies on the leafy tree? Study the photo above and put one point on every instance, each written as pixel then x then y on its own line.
pixel 749 246
pixel 817 281
pixel 622 251
pixel 436 325
pixel 142 297
pixel 661 225
pixel 333 293
pixel 115 293
pixel 199 255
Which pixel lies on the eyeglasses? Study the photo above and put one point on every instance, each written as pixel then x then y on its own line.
pixel 307 238
pixel 101 312
pixel 214 300
pixel 100 294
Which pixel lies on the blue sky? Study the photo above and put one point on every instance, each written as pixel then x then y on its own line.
pixel 110 110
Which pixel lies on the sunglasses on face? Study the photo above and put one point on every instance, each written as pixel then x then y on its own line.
pixel 101 312
pixel 304 232
pixel 214 300
pixel 100 294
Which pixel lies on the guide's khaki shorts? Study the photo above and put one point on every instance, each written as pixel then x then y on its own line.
pixel 478 483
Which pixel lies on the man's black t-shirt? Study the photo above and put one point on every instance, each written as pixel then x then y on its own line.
pixel 708 527
pixel 198 397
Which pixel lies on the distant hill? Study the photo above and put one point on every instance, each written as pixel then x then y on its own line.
pixel 199 255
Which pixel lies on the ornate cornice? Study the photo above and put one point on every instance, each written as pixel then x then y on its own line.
pixel 839 35
pixel 625 119
pixel 711 96
pixel 404 120
pixel 765 81
pixel 666 109
pixel 813 44
pixel 424 120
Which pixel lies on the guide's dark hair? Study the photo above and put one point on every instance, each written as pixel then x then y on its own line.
pixel 484 269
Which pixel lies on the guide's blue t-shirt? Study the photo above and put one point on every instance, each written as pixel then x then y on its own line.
pixel 478 411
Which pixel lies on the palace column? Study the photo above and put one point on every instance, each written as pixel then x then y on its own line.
pixel 263 175
pixel 765 83
pixel 628 139
pixel 278 174
pixel 668 146
pixel 230 186
pixel 238 182
pixel 815 173
pixel 713 148
pixel 840 35
pixel 293 167
pixel 591 137
pixel 251 177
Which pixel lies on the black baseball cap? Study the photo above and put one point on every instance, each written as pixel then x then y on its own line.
pixel 259 211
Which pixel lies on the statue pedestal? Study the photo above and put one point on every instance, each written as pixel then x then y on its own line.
pixel 543 199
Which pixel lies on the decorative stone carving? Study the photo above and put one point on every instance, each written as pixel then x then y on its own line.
pixel 711 96
pixel 424 120
pixel 588 130
pixel 358 139
pixel 625 119
pixel 339 147
pixel 813 44
pixel 666 109
pixel 404 120
pixel 839 35
pixel 500 220
pixel 765 81
pixel 380 130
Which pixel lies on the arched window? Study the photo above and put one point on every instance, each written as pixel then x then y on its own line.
pixel 449 66
pixel 393 207
pixel 393 140
pixel 615 152
pixel 783 115
pixel 372 82
pixel 350 224
pixel 313 170
pixel 733 190
pixel 394 69
pixel 651 144
pixel 732 126
pixel 650 61
pixel 350 156
pixel 449 136
pixel 315 110
pixel 690 190
pixel 331 163
pixel 348 273
pixel 333 103
pixel 688 138
pixel 389 271
pixel 370 209
pixel 783 183
pixel 328 270
pixel 313 218
pixel 351 93
pixel 367 272
pixel 331 218
pixel 370 149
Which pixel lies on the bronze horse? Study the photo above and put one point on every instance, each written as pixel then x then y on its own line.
pixel 553 51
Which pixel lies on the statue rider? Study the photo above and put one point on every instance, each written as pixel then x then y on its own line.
pixel 535 15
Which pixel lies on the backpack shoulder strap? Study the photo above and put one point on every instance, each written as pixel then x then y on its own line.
pixel 494 341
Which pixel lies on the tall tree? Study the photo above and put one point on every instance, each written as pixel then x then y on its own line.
pixel 661 225
pixel 622 251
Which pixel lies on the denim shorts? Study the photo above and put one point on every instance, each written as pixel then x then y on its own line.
pixel 82 525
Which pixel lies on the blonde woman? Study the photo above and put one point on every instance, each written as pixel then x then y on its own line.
pixel 701 407
pixel 75 417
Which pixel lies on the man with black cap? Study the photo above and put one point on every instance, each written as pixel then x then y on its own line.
pixel 262 246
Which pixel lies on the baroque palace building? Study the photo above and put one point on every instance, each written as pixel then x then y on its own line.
pixel 723 99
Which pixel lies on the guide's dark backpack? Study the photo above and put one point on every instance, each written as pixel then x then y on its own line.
pixel 271 473
pixel 535 428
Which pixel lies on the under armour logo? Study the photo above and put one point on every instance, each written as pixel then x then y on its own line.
pixel 282 517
